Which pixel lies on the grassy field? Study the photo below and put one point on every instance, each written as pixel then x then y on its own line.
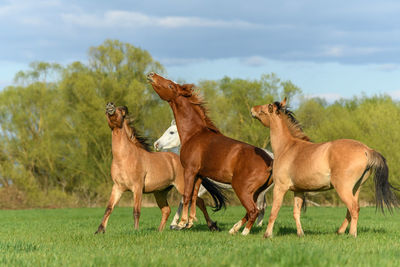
pixel 65 237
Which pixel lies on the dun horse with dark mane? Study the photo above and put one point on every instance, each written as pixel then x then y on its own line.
pixel 134 168
pixel 206 152
pixel 302 166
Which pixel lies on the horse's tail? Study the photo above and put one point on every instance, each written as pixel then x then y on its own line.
pixel 216 193
pixel 383 189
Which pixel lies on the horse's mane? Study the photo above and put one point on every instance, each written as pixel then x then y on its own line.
pixel 200 104
pixel 136 138
pixel 293 124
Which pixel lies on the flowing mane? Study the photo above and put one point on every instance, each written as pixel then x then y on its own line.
pixel 200 105
pixel 294 126
pixel 133 135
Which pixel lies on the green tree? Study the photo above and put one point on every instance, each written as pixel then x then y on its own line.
pixel 230 101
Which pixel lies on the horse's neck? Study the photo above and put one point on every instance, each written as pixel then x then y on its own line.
pixel 188 120
pixel 122 147
pixel 280 136
pixel 176 150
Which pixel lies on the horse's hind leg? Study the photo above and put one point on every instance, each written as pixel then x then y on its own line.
pixel 238 225
pixel 345 223
pixel 187 195
pixel 345 193
pixel 353 209
pixel 114 198
pixel 246 198
pixel 298 202
pixel 261 205
pixel 192 215
pixel 161 198
pixel 210 223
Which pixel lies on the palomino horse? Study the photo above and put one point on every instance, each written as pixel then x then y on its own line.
pixel 303 166
pixel 206 152
pixel 134 168
pixel 170 140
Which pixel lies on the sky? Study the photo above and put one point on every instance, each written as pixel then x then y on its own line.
pixel 330 49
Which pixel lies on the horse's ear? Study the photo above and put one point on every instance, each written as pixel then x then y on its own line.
pixel 186 89
pixel 283 103
pixel 124 111
pixel 270 108
pixel 173 123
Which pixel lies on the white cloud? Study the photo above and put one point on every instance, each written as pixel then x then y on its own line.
pixel 132 19
pixel 343 51
pixel 388 67
pixel 254 61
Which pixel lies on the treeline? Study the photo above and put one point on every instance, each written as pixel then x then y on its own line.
pixel 55 144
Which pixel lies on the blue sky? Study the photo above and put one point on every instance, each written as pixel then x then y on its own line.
pixel 328 48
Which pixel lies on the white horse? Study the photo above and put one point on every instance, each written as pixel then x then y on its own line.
pixel 170 140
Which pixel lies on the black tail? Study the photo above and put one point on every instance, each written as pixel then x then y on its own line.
pixel 383 189
pixel 216 193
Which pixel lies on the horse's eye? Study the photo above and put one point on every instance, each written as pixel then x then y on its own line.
pixel 170 86
pixel 171 132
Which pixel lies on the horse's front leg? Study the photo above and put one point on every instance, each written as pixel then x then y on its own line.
pixel 137 204
pixel 114 198
pixel 175 220
pixel 298 203
pixel 278 194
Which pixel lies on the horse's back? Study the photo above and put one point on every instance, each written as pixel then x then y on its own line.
pixel 220 157
pixel 315 165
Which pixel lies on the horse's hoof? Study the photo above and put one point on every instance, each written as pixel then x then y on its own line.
pixel 176 227
pixel 259 224
pixel 246 231
pixel 267 236
pixel 214 227
pixel 300 234
pixel 100 230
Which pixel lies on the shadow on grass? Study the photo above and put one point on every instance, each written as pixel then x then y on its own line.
pixel 225 227
pixel 283 230
pixel 370 230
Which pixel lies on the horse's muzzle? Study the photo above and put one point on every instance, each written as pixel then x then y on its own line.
pixel 150 77
pixel 110 108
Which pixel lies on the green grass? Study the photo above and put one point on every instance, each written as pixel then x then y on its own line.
pixel 65 237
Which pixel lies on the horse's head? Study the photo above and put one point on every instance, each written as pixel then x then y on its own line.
pixel 115 115
pixel 265 113
pixel 170 138
pixel 167 89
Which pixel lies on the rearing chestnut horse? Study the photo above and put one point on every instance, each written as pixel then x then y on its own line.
pixel 206 152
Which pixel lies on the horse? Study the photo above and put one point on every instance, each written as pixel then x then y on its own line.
pixel 206 152
pixel 170 140
pixel 135 168
pixel 302 166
